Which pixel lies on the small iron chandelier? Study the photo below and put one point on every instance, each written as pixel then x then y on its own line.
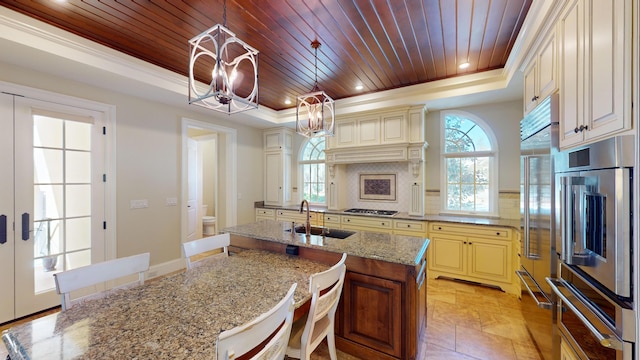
pixel 220 48
pixel 315 111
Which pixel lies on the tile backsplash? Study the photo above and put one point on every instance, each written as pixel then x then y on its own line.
pixel 401 170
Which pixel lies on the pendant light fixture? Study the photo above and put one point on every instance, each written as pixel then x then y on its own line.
pixel 231 61
pixel 315 110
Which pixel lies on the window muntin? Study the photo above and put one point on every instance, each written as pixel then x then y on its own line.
pixel 312 162
pixel 468 157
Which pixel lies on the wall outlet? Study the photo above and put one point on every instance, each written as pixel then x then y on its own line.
pixel 139 204
pixel 172 201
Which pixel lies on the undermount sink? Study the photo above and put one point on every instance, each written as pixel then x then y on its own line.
pixel 326 232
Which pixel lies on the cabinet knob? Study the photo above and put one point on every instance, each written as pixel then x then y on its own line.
pixel 408 225
pixel 382 224
pixel 498 233
pixel 439 228
pixel 464 242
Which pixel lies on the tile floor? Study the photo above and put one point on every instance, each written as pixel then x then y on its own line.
pixel 464 321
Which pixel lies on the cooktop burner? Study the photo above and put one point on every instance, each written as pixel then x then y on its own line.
pixel 371 212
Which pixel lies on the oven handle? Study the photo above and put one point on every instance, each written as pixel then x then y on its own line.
pixel 611 341
pixel 547 305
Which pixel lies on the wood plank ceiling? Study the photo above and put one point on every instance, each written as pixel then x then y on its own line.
pixel 379 44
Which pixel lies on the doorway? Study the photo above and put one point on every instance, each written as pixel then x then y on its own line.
pixel 52 198
pixel 208 177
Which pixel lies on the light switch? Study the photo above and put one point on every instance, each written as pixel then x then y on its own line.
pixel 139 204
pixel 172 201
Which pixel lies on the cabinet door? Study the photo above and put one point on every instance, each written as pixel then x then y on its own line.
pixel 369 131
pixel 447 253
pixel 571 35
pixel 273 178
pixel 546 68
pixel 373 312
pixel 394 129
pixel 490 260
pixel 607 91
pixel 530 87
pixel 345 134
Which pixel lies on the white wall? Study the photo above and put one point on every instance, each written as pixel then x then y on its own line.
pixel 148 162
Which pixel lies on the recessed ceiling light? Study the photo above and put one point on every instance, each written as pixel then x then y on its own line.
pixel 359 87
pixel 464 65
pixel 287 102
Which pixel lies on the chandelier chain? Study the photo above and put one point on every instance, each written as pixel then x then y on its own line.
pixel 224 13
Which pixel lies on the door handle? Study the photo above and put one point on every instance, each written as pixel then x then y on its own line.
pixel 25 226
pixel 3 229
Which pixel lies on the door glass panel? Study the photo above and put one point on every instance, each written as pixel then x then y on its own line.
pixel 78 167
pixel 78 234
pixel 62 197
pixel 47 165
pixel 47 132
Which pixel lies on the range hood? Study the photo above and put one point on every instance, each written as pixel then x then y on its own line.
pixel 401 152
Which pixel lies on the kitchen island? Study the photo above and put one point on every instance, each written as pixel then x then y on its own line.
pixel 382 313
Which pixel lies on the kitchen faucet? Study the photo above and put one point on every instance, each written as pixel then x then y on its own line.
pixel 308 223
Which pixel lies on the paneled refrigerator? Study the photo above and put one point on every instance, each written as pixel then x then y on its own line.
pixel 539 143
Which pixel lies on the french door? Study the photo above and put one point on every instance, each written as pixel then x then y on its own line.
pixel 51 199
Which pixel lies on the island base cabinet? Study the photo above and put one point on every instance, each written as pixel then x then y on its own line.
pixel 379 329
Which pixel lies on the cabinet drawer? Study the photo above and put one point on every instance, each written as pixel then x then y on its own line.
pixel 330 220
pixel 418 226
pixel 472 230
pixel 265 212
pixel 366 222
pixel 292 215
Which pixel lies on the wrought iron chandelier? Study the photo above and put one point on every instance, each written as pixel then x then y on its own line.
pixel 232 61
pixel 315 114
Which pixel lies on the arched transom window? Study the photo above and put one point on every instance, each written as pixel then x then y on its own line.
pixel 468 160
pixel 312 162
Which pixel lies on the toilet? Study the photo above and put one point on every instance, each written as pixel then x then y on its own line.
pixel 208 223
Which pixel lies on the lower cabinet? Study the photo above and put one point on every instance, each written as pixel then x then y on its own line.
pixel 362 223
pixel 483 254
pixel 379 329
pixel 265 214
pixel 382 312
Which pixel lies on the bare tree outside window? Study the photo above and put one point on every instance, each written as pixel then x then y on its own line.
pixel 468 159
pixel 312 162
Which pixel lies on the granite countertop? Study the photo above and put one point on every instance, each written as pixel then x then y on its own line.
pixel 399 249
pixel 458 219
pixel 175 317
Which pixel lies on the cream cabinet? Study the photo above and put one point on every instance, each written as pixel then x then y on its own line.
pixel 595 70
pixel 278 166
pixel 294 215
pixel 484 254
pixel 329 220
pixel 265 214
pixel 410 227
pixel 365 223
pixel 540 76
pixel 370 129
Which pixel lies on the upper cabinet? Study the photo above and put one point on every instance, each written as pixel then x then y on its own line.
pixel 595 70
pixel 371 129
pixel 541 74
pixel 278 144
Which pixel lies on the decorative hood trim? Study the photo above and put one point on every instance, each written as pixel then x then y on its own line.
pixel 404 152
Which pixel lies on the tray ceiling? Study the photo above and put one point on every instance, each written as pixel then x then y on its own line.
pixel 378 44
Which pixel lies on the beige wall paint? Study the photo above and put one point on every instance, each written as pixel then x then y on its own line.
pixel 148 162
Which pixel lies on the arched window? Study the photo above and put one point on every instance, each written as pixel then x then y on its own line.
pixel 469 160
pixel 313 170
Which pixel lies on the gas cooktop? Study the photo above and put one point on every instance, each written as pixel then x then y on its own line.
pixel 371 212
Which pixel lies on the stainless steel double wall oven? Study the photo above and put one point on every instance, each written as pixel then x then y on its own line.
pixel 594 235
